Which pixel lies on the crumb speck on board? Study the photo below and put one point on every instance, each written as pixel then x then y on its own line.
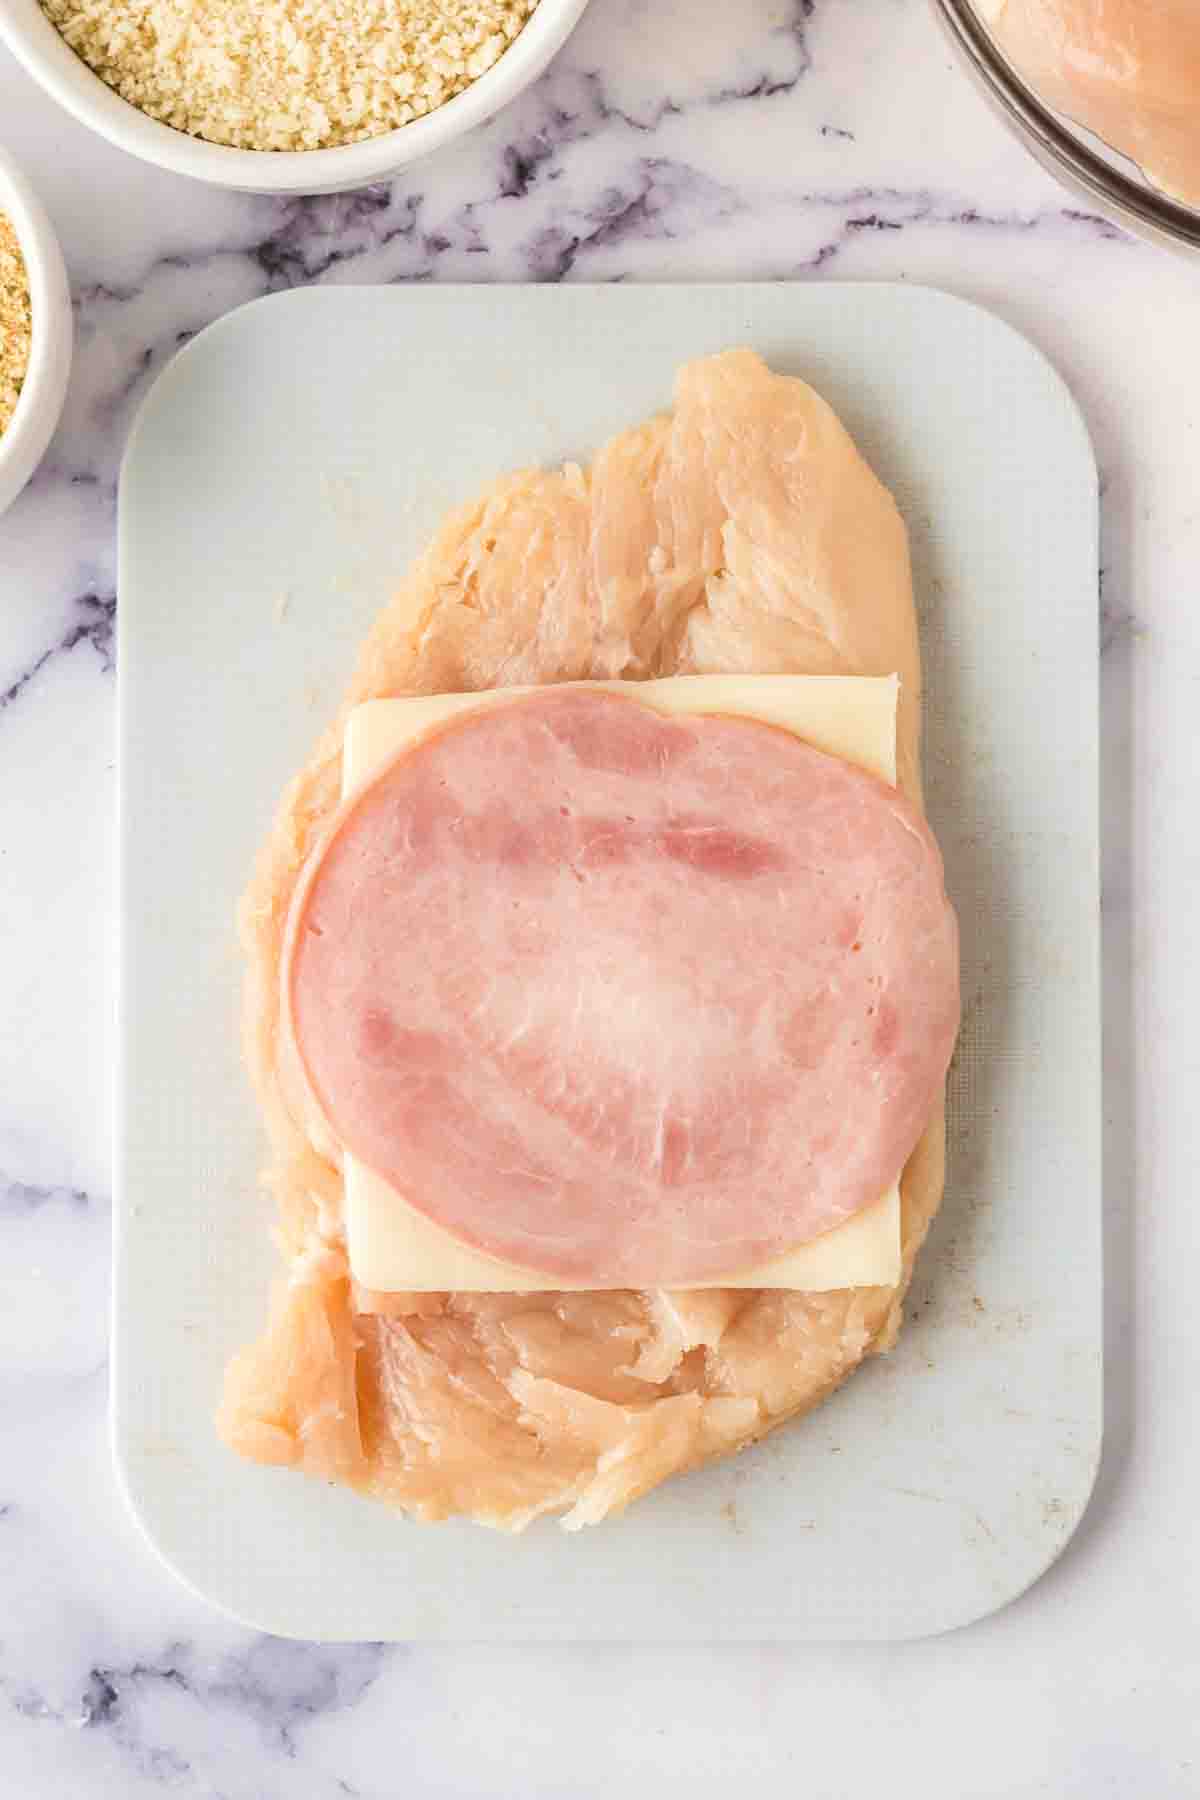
pixel 1054 1512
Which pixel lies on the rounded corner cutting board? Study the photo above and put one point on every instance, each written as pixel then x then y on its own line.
pixel 282 473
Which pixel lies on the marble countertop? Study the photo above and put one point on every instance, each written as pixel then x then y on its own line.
pixel 676 139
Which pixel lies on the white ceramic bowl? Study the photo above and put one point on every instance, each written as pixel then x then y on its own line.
pixel 34 41
pixel 39 408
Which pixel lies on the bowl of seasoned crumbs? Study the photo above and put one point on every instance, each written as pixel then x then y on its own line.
pixel 35 332
pixel 285 96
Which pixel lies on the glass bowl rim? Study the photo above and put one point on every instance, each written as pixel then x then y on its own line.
pixel 1128 202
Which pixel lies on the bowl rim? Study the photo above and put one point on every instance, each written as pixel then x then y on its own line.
pixel 44 385
pixel 59 71
pixel 1132 204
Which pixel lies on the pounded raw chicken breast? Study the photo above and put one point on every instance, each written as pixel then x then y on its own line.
pixel 1127 69
pixel 743 533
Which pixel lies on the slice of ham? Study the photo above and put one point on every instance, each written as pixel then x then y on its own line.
pixel 623 998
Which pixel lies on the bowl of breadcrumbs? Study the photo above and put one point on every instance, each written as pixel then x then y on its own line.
pixel 35 332
pixel 285 96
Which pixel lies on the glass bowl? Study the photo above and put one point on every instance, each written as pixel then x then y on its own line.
pixel 1100 175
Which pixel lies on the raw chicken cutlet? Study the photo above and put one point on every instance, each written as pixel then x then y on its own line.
pixel 744 533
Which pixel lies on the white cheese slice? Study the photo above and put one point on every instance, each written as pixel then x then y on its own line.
pixel 392 1247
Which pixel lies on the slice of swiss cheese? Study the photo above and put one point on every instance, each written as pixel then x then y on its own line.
pixel 394 1248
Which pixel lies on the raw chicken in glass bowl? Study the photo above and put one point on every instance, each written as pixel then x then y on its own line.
pixel 1106 95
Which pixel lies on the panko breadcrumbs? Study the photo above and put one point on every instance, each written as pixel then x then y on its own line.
pixel 288 74
pixel 16 322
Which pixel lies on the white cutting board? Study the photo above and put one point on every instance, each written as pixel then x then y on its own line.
pixel 282 473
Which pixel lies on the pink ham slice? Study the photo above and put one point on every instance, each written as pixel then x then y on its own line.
pixel 623 998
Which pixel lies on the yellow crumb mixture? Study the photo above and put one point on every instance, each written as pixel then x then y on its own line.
pixel 288 74
pixel 16 322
